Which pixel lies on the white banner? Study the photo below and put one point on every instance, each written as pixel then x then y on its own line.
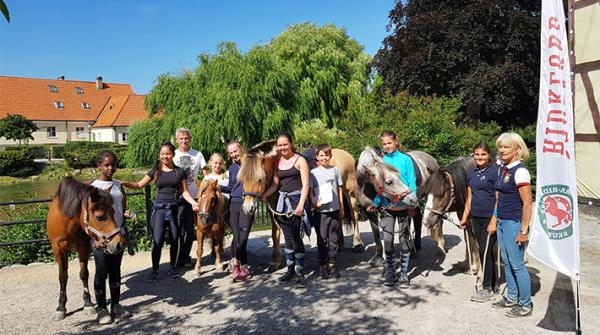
pixel 554 236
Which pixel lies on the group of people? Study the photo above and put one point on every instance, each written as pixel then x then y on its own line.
pixel 499 203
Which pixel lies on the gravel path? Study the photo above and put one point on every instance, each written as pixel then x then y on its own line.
pixel 437 302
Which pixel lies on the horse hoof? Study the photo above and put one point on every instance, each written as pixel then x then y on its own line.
pixel 377 261
pixel 358 248
pixel 274 266
pixel 59 315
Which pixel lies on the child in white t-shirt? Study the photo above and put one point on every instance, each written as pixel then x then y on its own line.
pixel 218 172
pixel 325 193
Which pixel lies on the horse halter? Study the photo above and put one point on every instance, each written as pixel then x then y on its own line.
pixel 101 238
pixel 444 213
pixel 379 189
pixel 210 217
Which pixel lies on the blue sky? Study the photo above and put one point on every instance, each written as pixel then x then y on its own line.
pixel 132 41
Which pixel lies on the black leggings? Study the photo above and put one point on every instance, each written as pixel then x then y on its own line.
pixel 107 266
pixel 159 228
pixel 291 233
pixel 187 234
pixel 327 226
pixel 387 224
pixel 240 223
pixel 480 231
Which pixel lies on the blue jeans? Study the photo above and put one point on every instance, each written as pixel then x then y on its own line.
pixel 518 283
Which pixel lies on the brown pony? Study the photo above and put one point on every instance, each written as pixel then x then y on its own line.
pixel 210 221
pixel 78 212
pixel 257 170
pixel 446 192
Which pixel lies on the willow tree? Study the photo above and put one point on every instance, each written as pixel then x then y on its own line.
pixel 326 64
pixel 305 73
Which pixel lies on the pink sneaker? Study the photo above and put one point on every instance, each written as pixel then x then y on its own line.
pixel 235 268
pixel 244 274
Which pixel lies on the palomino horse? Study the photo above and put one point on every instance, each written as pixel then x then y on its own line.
pixel 210 221
pixel 78 212
pixel 374 177
pixel 257 170
pixel 447 192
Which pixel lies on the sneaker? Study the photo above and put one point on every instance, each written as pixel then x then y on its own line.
pixel 300 282
pixel 173 273
pixel 104 317
pixel 483 295
pixel 504 303
pixel 333 272
pixel 403 280
pixel 324 272
pixel 153 277
pixel 243 274
pixel 287 276
pixel 119 312
pixel 389 278
pixel 519 311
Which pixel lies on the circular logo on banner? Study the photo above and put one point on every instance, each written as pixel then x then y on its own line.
pixel 555 210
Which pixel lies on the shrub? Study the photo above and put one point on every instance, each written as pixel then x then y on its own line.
pixel 81 154
pixel 15 161
pixel 24 253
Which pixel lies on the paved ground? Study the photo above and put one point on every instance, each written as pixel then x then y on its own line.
pixel 437 303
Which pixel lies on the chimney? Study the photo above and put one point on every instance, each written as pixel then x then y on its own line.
pixel 99 84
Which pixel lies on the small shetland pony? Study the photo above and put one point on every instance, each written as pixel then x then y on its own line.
pixel 447 192
pixel 77 213
pixel 210 221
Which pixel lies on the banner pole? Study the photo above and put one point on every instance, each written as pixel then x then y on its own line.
pixel 577 310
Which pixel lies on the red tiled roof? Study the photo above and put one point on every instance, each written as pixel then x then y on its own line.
pixel 32 98
pixel 122 111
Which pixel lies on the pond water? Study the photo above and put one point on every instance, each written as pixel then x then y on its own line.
pixel 30 190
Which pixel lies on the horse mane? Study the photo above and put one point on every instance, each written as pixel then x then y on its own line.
pixel 438 184
pixel 70 193
pixel 458 169
pixel 266 148
pixel 251 169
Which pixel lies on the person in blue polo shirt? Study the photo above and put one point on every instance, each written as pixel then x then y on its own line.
pixel 513 211
pixel 399 211
pixel 481 199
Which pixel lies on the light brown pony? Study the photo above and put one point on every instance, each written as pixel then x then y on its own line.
pixel 210 222
pixel 77 213
pixel 257 170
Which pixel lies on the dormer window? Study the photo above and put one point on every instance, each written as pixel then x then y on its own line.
pixel 59 104
pixel 53 88
pixel 85 105
pixel 79 90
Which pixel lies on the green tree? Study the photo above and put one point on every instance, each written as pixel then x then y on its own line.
pixel 325 64
pixel 255 95
pixel 4 10
pixel 485 52
pixel 17 128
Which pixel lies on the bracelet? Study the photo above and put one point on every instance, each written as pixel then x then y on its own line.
pixel 525 232
pixel 495 214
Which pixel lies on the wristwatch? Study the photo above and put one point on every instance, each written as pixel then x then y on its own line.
pixel 525 232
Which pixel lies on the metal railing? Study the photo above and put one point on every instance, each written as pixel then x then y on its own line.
pixel 261 218
pixel 13 204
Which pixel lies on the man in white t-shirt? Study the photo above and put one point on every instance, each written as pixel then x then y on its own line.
pixel 191 161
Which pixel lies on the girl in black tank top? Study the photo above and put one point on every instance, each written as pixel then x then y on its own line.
pixel 290 179
pixel 293 195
